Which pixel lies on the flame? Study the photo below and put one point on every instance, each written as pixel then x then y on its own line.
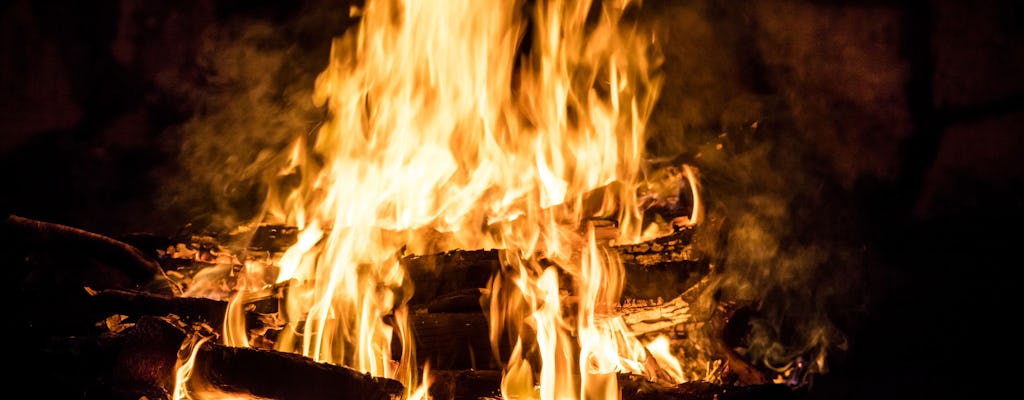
pixel 447 129
pixel 661 351
pixel 184 366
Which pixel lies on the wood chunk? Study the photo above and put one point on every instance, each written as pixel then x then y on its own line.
pixel 674 247
pixel 453 340
pixel 465 384
pixel 436 275
pixel 666 316
pixel 287 376
pixel 139 304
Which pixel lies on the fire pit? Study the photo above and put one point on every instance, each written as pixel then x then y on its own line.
pixel 481 200
pixel 115 321
pixel 474 218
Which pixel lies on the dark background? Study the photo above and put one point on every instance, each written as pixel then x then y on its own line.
pixel 884 165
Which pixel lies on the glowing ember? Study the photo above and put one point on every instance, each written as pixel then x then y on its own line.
pixel 448 129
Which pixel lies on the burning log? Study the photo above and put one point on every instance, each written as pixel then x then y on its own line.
pixel 658 268
pixel 284 376
pixel 666 316
pixel 446 340
pixel 465 384
pixel 449 328
pixel 453 340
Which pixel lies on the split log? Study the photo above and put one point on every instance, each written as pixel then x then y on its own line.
pixel 675 247
pixel 668 316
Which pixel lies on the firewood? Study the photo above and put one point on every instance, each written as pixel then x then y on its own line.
pixel 669 248
pixel 465 384
pixel 457 340
pixel 666 316
pixel 62 246
pixel 453 340
pixel 437 276
pixel 446 281
pixel 139 304
pixel 636 388
pixel 285 376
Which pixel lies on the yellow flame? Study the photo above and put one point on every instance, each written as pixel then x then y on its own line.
pixel 691 177
pixel 184 366
pixel 447 129
pixel 668 362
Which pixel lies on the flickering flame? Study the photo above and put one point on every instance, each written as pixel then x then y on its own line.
pixel 448 129
pixel 185 364
pixel 661 351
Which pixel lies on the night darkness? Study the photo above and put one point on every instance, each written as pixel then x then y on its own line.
pixel 887 148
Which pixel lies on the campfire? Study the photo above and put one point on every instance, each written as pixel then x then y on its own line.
pixel 474 218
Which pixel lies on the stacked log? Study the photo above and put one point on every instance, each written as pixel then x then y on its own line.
pixel 93 326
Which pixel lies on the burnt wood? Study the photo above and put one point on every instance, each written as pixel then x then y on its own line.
pixel 288 376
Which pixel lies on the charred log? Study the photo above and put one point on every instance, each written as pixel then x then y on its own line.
pixel 465 384
pixel 449 279
pixel 453 340
pixel 285 376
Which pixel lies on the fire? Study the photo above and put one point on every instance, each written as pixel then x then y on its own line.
pixel 475 125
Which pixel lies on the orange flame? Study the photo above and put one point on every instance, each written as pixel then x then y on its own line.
pixel 447 130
